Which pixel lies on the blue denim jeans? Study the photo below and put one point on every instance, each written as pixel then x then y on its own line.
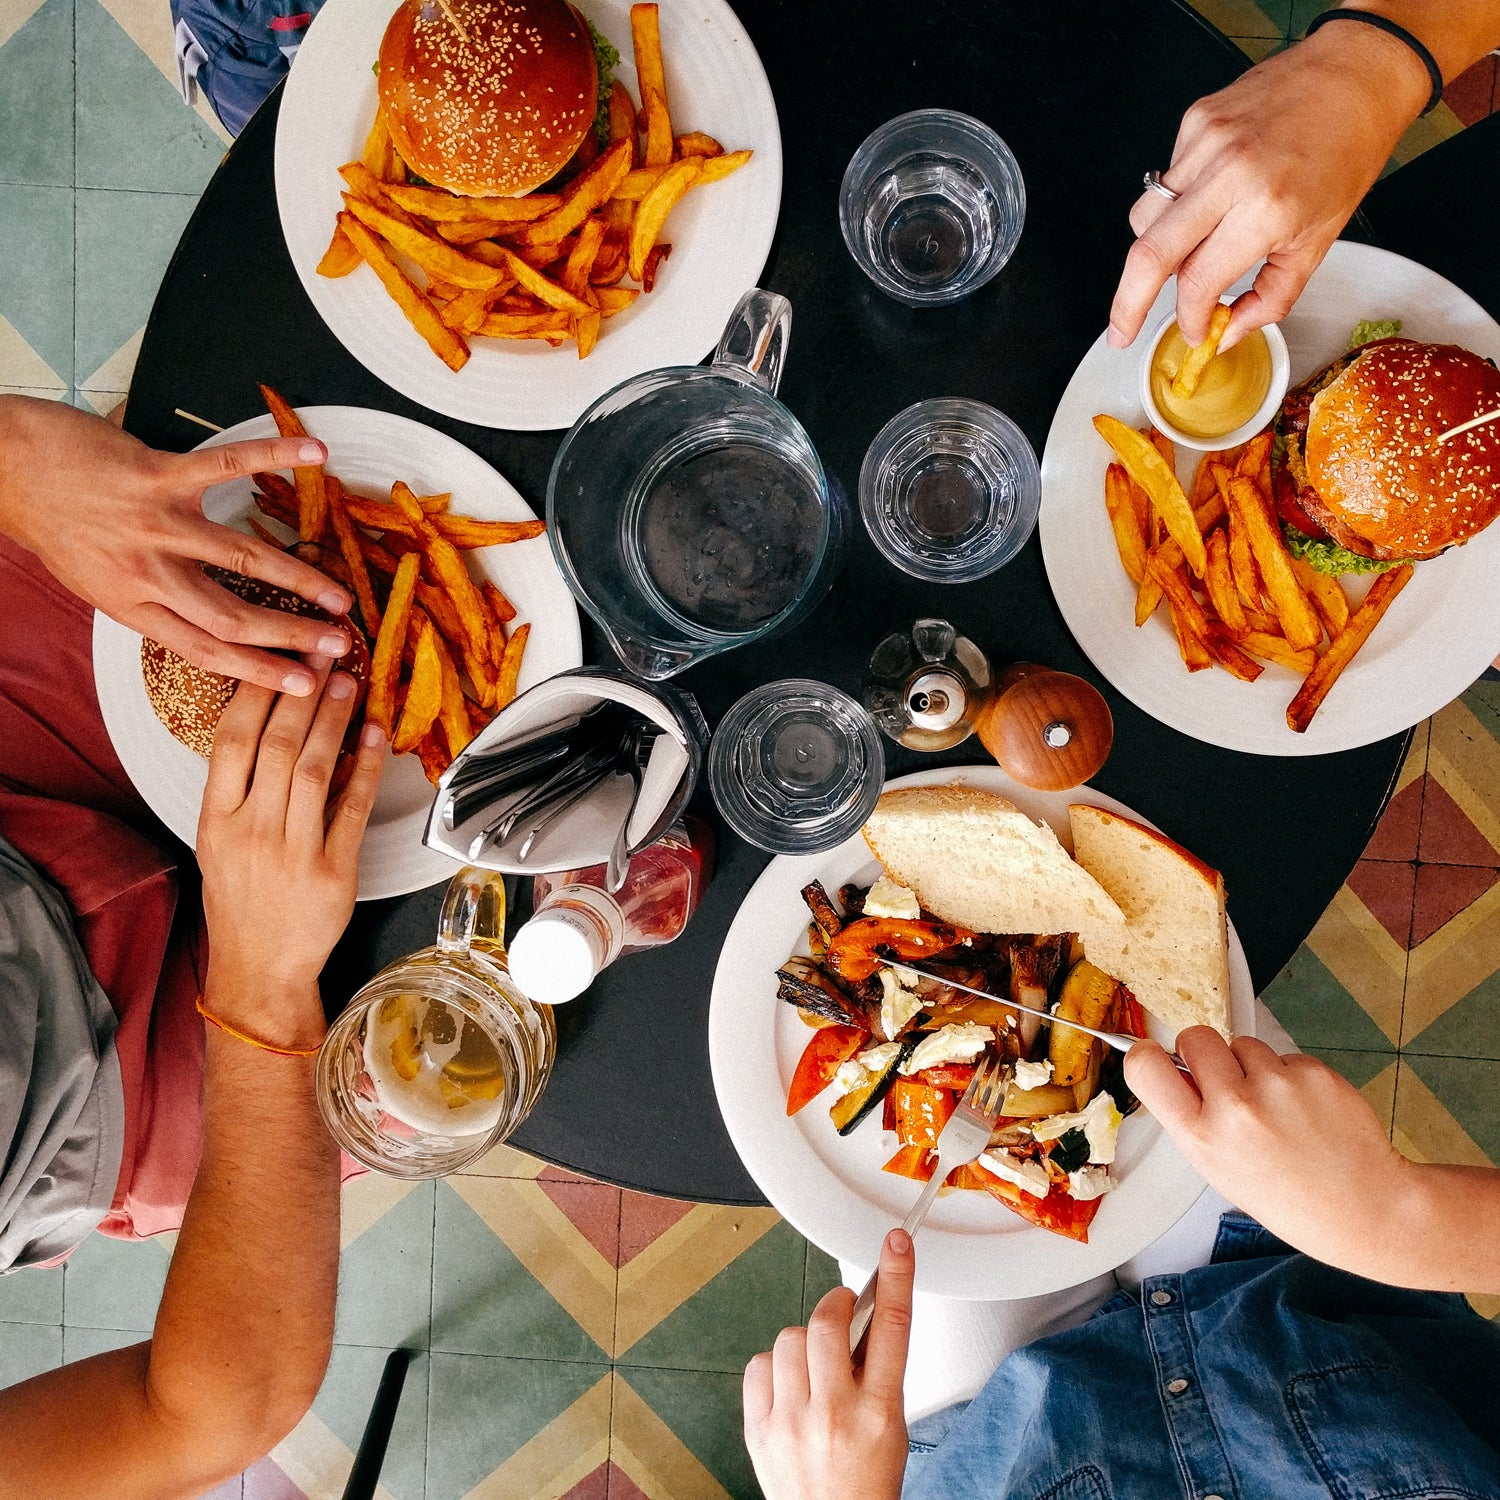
pixel 1261 1376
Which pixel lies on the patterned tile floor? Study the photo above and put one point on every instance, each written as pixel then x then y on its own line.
pixel 573 1340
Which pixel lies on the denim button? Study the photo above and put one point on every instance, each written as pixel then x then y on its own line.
pixel 1164 1299
pixel 1213 1497
pixel 1176 1388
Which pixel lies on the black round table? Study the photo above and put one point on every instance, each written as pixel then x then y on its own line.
pixel 1088 96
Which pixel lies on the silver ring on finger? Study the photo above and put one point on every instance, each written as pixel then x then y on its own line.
pixel 1154 184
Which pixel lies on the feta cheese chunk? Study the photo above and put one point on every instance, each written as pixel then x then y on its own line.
pixel 1033 1075
pixel 961 1042
pixel 1030 1176
pixel 878 1059
pixel 857 1071
pixel 1090 1182
pixel 850 1076
pixel 898 1004
pixel 1099 1120
pixel 888 899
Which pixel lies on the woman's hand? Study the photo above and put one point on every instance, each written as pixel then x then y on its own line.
pixel 816 1428
pixel 280 863
pixel 1285 1139
pixel 123 527
pixel 1270 168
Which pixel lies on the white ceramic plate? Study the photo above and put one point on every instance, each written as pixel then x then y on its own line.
pixel 720 234
pixel 1438 636
pixel 831 1187
pixel 369 451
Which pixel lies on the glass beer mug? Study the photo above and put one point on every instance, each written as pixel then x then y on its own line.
pixel 439 1057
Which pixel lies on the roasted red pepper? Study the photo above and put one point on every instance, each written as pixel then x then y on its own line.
pixel 858 951
pixel 826 1049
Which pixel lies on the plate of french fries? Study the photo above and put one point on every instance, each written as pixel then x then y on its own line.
pixel 1171 569
pixel 521 312
pixel 454 589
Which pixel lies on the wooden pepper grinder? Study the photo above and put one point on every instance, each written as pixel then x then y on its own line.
pixel 1049 730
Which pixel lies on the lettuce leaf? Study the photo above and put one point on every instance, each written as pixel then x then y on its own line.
pixel 1368 331
pixel 1329 557
pixel 606 57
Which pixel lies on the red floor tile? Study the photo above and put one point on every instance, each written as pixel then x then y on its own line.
pixel 1448 837
pixel 595 1486
pixel 643 1221
pixel 594 1210
pixel 623 1487
pixel 1396 834
pixel 1471 95
pixel 1386 887
pixel 266 1481
pixel 1442 891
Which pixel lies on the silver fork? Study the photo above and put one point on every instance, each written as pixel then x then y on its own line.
pixel 963 1140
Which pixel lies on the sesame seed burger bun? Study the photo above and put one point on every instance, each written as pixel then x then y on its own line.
pixel 498 114
pixel 189 699
pixel 1380 485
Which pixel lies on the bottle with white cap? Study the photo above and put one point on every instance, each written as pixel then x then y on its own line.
pixel 578 928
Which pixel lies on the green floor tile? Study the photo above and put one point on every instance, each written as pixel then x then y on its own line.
pixel 385 1277
pixel 114 1284
pixel 484 1301
pixel 32 1295
pixel 36 98
pixel 736 1315
pixel 1483 700
pixel 1318 1011
pixel 343 1406
pixel 1468 1028
pixel 1302 13
pixel 36 280
pixel 705 1411
pixel 1358 1067
pixel 26 1349
pixel 1469 1089
pixel 820 1276
pixel 134 131
pixel 481 1410
pixel 84 1343
pixel 124 243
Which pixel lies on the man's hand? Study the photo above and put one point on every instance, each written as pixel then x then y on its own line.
pixel 1285 1139
pixel 1270 168
pixel 280 865
pixel 123 527
pixel 816 1428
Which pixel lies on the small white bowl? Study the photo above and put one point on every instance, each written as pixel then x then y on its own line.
pixel 1281 374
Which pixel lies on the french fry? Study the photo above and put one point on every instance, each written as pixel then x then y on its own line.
pixel 418 311
pixel 1273 648
pixel 442 614
pixel 385 659
pixel 434 757
pixel 1146 466
pixel 1255 456
pixel 265 533
pixel 1179 595
pixel 1342 649
pixel 340 258
pixel 1251 508
pixel 379 155
pixel 615 299
pixel 1185 381
pixel 697 143
pixel 1326 593
pixel 523 325
pixel 510 666
pixel 645 35
pixel 581 258
pixel 405 501
pixel 502 611
pixel 433 255
pixel 1266 624
pixel 1196 656
pixel 621 117
pixel 424 693
pixel 1242 563
pixel 1203 480
pixel 312 492
pixel 532 281
pixel 586 332
pixel 1228 655
pixel 639 182
pixel 1163 445
pixel 1218 584
pixel 468 310
pixel 654 257
pixel 589 191
pixel 454 713
pixel 440 206
pixel 354 559
pixel 656 205
pixel 1129 538
pixel 367 185
pixel 1170 553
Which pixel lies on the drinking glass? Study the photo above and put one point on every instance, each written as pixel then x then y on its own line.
pixel 688 510
pixel 932 206
pixel 796 766
pixel 440 1056
pixel 949 490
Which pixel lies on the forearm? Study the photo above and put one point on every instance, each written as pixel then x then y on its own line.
pixel 1457 32
pixel 1443 1231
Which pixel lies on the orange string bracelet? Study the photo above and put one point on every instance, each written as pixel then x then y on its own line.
pixel 253 1041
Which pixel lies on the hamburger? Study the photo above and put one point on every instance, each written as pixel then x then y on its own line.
pixel 499 103
pixel 190 699
pixel 1362 486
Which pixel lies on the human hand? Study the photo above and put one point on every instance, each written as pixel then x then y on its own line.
pixel 1285 1139
pixel 1271 167
pixel 280 863
pixel 816 1428
pixel 123 527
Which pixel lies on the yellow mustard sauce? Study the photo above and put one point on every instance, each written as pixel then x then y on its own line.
pixel 1230 390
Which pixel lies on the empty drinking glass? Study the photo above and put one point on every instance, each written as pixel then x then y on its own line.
pixel 949 490
pixel 932 206
pixel 796 766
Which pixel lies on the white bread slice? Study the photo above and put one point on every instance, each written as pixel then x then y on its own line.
pixel 975 859
pixel 1174 951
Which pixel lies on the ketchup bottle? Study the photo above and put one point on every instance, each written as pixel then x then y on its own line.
pixel 578 928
